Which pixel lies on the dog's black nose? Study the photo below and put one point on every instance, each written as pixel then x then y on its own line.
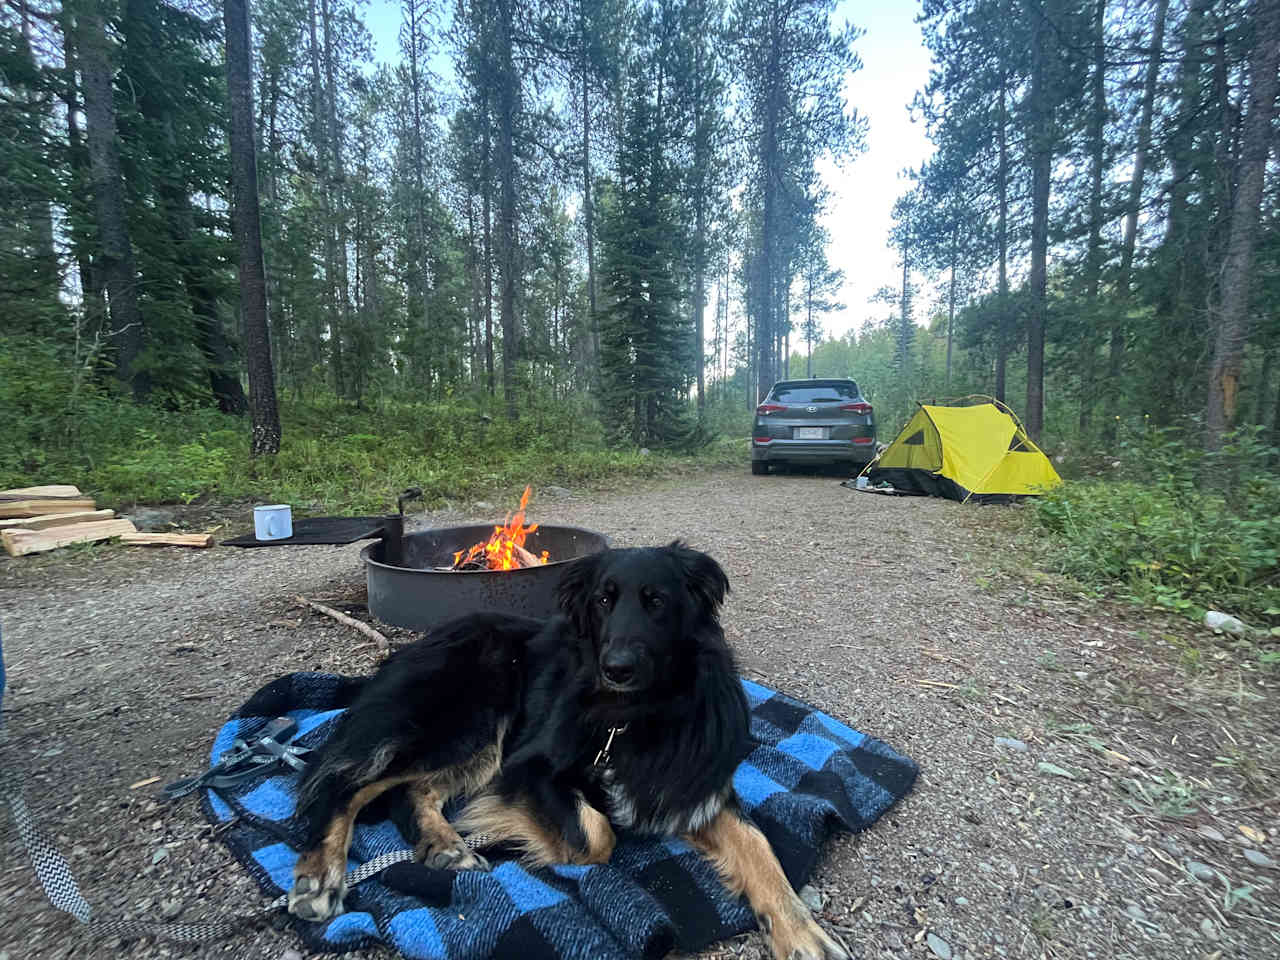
pixel 618 667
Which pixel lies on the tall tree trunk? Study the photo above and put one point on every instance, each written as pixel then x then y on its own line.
pixel 281 333
pixel 1093 255
pixel 1002 239
pixel 1263 393
pixel 1230 318
pixel 1041 150
pixel 700 306
pixel 767 326
pixel 90 281
pixel 508 94
pixel 336 236
pixel 808 324
pixel 487 216
pixel 116 251
pixel 320 143
pixel 904 317
pixel 588 208
pixel 1119 325
pixel 246 224
pixel 418 244
pixel 951 294
pixel 38 215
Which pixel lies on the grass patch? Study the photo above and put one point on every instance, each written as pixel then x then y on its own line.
pixel 334 458
pixel 1175 527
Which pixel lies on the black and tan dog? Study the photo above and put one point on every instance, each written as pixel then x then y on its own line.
pixel 625 712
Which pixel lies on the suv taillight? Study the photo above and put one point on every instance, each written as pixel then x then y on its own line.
pixel 862 409
pixel 767 408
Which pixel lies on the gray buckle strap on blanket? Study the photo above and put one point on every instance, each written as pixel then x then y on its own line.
pixel 60 885
pixel 244 760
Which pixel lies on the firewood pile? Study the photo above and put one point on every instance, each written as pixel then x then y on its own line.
pixel 38 519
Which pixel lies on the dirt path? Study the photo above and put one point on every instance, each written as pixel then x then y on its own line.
pixel 1072 838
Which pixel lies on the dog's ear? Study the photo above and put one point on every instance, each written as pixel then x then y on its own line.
pixel 574 592
pixel 704 577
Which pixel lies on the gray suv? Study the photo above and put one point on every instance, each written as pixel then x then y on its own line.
pixel 813 421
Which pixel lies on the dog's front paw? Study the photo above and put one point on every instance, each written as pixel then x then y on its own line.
pixel 318 889
pixel 793 934
pixel 455 856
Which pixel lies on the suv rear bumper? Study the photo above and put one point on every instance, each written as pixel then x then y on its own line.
pixel 813 451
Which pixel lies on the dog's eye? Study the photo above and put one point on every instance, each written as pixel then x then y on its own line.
pixel 604 600
pixel 656 600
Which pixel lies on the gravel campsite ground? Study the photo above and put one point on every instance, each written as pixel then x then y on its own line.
pixel 1095 781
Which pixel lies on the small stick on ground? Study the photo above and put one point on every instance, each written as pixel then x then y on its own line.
pixel 384 646
pixel 934 655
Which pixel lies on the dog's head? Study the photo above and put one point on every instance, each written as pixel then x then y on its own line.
pixel 642 609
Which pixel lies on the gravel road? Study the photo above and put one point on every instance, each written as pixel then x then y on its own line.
pixel 1083 793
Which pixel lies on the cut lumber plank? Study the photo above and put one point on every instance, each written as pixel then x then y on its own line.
pixel 168 539
pixel 56 519
pixel 18 543
pixel 38 508
pixel 48 490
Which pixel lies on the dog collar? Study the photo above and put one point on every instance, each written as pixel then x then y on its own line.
pixel 603 755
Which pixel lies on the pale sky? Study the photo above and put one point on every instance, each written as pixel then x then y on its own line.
pixel 895 65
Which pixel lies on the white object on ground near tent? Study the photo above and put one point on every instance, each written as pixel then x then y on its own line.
pixel 1224 622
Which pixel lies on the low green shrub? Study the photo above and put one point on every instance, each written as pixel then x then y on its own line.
pixel 1176 527
pixel 334 458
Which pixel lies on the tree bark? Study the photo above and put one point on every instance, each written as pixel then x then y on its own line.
pixel 1115 358
pixel 1093 256
pixel 119 272
pixel 418 246
pixel 808 326
pixel 486 188
pixel 951 294
pixel 1230 318
pixel 767 327
pixel 1263 392
pixel 90 282
pixel 45 273
pixel 508 94
pixel 588 210
pixel 1002 239
pixel 246 225
pixel 336 235
pixel 1041 149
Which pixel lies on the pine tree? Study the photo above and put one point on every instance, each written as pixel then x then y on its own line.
pixel 245 219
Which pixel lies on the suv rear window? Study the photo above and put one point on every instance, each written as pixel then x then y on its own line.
pixel 816 392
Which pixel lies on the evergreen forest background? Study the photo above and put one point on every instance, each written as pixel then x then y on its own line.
pixel 238 258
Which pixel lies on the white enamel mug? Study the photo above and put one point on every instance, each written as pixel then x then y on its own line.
pixel 273 522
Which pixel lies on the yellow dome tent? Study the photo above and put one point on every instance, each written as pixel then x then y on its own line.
pixel 976 452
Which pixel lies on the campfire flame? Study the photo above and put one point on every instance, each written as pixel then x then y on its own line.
pixel 504 550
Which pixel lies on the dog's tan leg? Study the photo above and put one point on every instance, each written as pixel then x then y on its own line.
pixel 515 823
pixel 319 876
pixel 439 845
pixel 747 865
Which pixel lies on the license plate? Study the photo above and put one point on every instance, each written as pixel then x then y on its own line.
pixel 809 433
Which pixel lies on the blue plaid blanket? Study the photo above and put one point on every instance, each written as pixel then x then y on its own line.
pixel 809 776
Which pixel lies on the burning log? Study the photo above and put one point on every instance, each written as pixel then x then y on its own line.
pixel 505 549
pixel 520 558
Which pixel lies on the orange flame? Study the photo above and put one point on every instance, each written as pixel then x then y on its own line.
pixel 499 551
